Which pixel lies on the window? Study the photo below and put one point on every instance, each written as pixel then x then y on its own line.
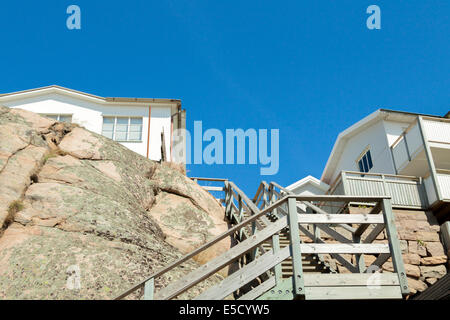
pixel 365 162
pixel 59 117
pixel 122 128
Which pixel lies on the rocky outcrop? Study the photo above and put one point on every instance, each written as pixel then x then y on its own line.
pixel 83 217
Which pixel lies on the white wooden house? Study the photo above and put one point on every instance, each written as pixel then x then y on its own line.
pixel 401 154
pixel 136 123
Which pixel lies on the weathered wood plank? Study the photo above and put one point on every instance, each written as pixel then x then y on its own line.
pixel 379 261
pixel 349 279
pixel 259 290
pixel 204 271
pixel 394 245
pixel 282 291
pixel 188 256
pixel 374 233
pixel 339 198
pixel 363 227
pixel 333 233
pixel 351 248
pixel 347 264
pixel 276 249
pixel 320 211
pixel 149 289
pixel 243 276
pixel 353 293
pixel 208 179
pixel 341 218
pixel 212 188
pixel 296 248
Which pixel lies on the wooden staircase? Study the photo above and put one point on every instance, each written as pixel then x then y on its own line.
pixel 280 251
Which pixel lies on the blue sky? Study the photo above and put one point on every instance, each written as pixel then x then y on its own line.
pixel 308 68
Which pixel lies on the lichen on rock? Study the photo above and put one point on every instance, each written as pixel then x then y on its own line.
pixel 89 202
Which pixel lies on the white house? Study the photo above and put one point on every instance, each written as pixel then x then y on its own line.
pixel 309 186
pixel 136 123
pixel 401 154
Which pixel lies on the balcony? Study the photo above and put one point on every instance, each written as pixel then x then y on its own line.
pixel 406 192
pixel 423 150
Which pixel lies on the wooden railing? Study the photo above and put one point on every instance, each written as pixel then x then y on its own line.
pixel 405 191
pixel 300 285
pixel 214 185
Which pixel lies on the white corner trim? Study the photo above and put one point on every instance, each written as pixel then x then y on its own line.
pixel 309 180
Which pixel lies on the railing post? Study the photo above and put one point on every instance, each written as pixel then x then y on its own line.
pixel 385 187
pixel 317 239
pixel 265 195
pixel 241 216
pixel 276 249
pixel 430 159
pixel 394 245
pixel 149 289
pixel 359 263
pixel 294 239
pixel 227 198
pixel 272 201
pixel 344 182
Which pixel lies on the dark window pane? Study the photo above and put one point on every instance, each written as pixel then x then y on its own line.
pixel 360 166
pixel 366 165
pixel 369 159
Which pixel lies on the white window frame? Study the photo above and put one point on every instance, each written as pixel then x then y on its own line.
pixel 361 156
pixel 58 115
pixel 128 127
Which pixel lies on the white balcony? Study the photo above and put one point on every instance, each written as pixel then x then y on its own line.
pixel 405 191
pixel 423 150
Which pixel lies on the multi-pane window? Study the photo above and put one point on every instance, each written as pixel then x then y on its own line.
pixel 59 117
pixel 122 128
pixel 365 162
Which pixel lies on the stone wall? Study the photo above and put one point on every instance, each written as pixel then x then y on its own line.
pixel 423 253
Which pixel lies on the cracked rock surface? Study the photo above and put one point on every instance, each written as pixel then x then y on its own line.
pixel 92 205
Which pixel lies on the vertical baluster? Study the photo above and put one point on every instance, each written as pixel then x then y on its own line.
pixel 394 245
pixel 276 249
pixel 294 239
pixel 149 289
pixel 241 216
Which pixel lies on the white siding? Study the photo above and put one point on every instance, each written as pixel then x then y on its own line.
pixel 307 189
pixel 394 130
pixel 444 185
pixel 90 114
pixel 431 191
pixel 160 118
pixel 375 138
pixel 437 131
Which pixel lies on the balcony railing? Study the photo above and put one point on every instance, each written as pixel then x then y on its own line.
pixel 408 145
pixel 411 142
pixel 405 191
pixel 443 177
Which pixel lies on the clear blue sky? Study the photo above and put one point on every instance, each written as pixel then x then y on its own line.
pixel 309 68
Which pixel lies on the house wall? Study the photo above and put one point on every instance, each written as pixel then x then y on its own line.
pixel 307 189
pixel 374 137
pixel 90 114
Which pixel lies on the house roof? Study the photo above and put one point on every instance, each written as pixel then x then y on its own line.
pixel 309 180
pixel 371 119
pixel 72 92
